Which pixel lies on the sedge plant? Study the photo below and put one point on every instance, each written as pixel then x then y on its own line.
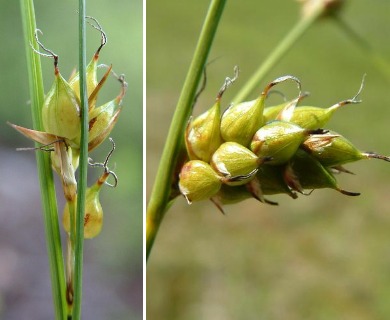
pixel 249 151
pixel 68 124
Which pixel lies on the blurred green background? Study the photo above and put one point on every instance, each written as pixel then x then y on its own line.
pixel 326 256
pixel 113 261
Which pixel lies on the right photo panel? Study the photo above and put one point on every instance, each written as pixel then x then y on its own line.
pixel 260 119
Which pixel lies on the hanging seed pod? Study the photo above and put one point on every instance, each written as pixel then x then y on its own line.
pixel 338 151
pixel 277 141
pixel 306 172
pixel 240 122
pixel 198 181
pixel 203 136
pixel 235 162
pixel 93 218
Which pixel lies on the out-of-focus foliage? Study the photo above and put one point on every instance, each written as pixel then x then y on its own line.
pixel 319 257
pixel 113 261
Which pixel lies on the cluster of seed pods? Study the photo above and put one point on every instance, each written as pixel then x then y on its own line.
pixel 251 151
pixel 61 121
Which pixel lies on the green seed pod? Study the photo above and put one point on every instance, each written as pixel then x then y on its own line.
pixel 338 151
pixel 93 218
pixel 306 172
pixel 103 119
pixel 93 86
pixel 61 111
pixel 91 80
pixel 234 194
pixel 198 181
pixel 270 113
pixel 203 136
pixel 230 195
pixel 277 141
pixel 314 117
pixel 240 122
pixel 235 162
pixel 272 181
pixel 276 112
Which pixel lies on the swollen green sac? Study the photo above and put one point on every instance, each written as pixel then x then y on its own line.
pixel 235 162
pixel 277 141
pixel 272 181
pixel 306 172
pixel 61 111
pixel 203 136
pixel 338 152
pixel 91 80
pixel 241 121
pixel 93 217
pixel 198 181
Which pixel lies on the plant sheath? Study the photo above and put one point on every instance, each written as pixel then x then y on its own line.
pixel 45 174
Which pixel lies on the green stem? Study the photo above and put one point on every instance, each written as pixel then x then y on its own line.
pixel 83 166
pixel 45 174
pixel 279 51
pixel 378 61
pixel 161 190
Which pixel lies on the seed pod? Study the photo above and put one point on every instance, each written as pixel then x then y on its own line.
pixel 283 111
pixel 314 117
pixel 270 113
pixel 306 172
pixel 103 119
pixel 91 79
pixel 235 162
pixel 240 122
pixel 277 141
pixel 338 151
pixel 93 218
pixel 272 181
pixel 203 136
pixel 93 86
pixel 198 181
pixel 234 194
pixel 61 111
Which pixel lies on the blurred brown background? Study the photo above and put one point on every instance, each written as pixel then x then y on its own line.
pixel 113 260
pixel 325 256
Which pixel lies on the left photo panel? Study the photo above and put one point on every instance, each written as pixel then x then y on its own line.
pixel 71 147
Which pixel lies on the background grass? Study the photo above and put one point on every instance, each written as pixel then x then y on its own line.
pixel 320 257
pixel 113 261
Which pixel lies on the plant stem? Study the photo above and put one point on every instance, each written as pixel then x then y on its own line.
pixel 83 166
pixel 45 174
pixel 279 51
pixel 161 190
pixel 378 61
